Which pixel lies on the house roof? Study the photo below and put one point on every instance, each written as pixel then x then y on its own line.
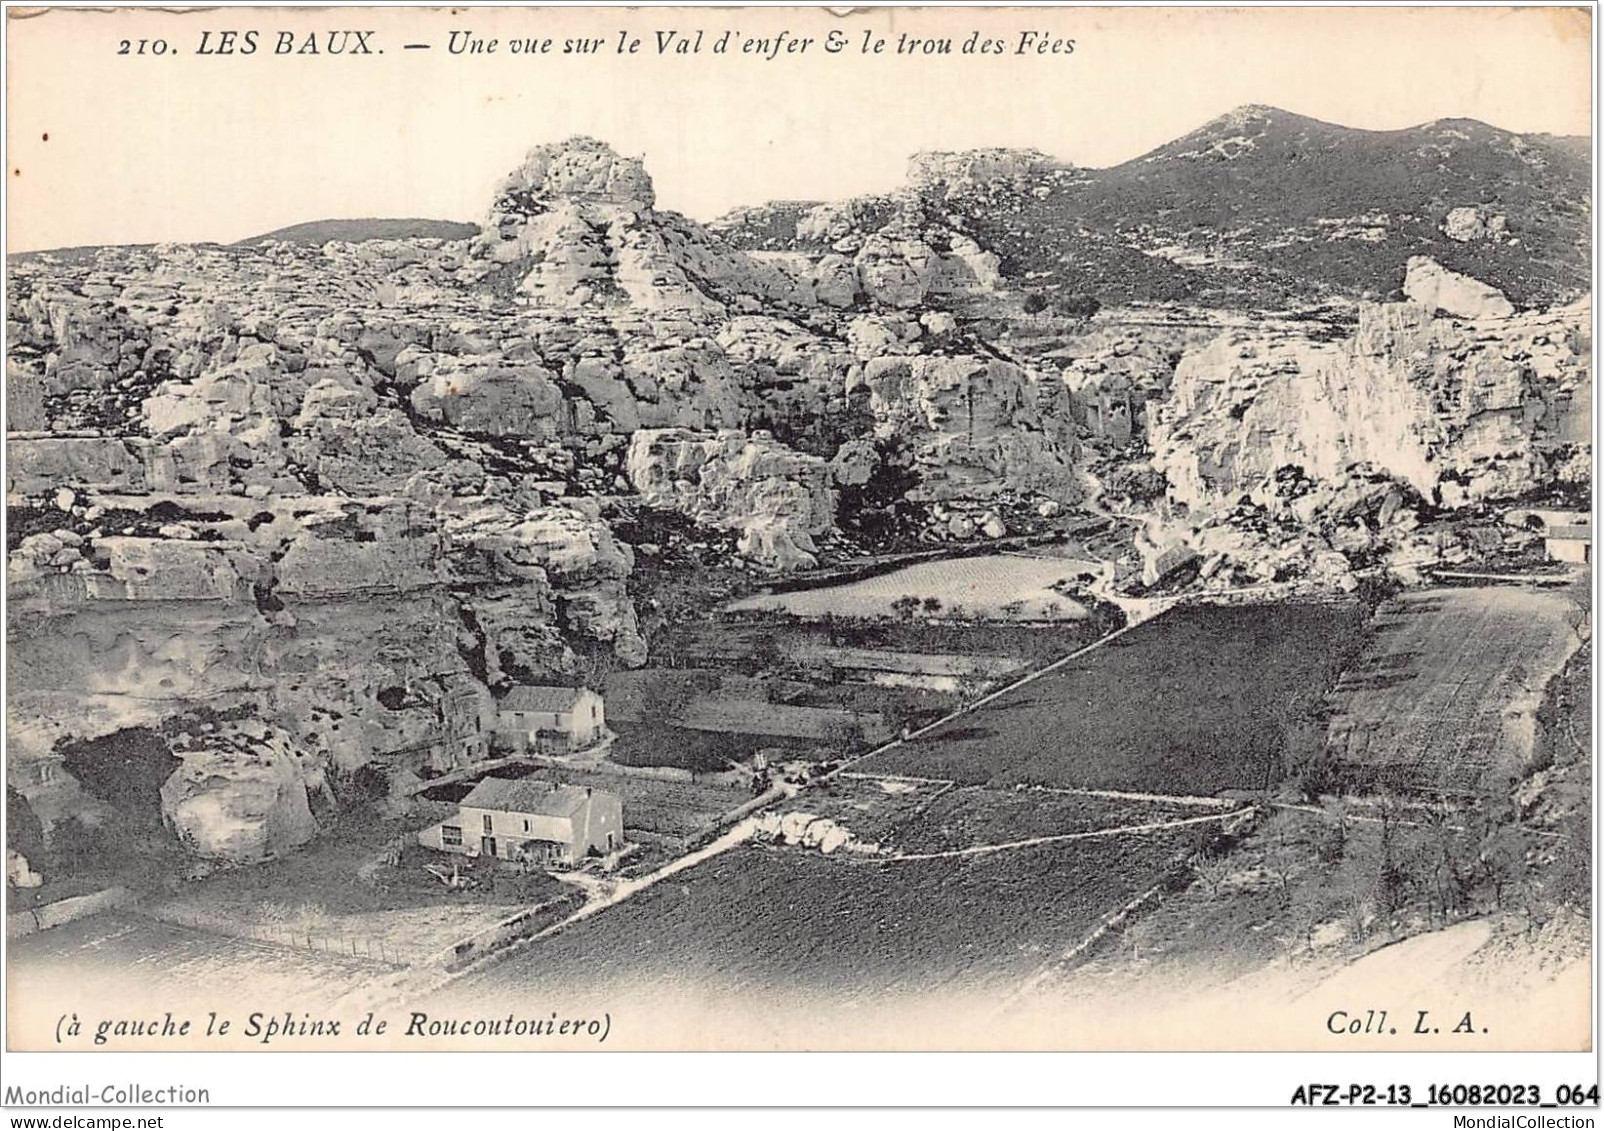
pixel 1576 533
pixel 526 795
pixel 529 698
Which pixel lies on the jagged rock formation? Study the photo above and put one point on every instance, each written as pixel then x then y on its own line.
pixel 977 426
pixel 574 226
pixel 347 491
pixel 1288 458
pixel 340 493
pixel 1112 382
pixel 776 499
pixel 953 172
pixel 1457 412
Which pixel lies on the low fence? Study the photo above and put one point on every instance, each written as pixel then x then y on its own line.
pixel 69 910
pixel 656 773
pixel 729 779
pixel 528 922
pixel 365 947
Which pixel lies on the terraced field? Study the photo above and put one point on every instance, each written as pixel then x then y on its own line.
pixel 792 923
pixel 1447 689
pixel 1195 701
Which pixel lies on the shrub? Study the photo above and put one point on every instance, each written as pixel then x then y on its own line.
pixel 24 833
pixel 1078 305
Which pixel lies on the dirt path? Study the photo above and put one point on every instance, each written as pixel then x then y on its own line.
pixel 1067 791
pixel 1122 830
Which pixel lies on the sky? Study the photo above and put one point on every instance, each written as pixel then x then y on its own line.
pixel 132 148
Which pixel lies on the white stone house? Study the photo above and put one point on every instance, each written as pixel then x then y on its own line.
pixel 529 820
pixel 550 720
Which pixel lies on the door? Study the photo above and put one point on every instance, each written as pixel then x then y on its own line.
pixel 487 845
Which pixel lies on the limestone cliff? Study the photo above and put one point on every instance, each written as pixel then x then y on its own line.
pixel 1458 411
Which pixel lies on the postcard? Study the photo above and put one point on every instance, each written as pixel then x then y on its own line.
pixel 799 529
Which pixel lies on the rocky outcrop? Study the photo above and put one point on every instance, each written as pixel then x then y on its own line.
pixel 486 396
pixel 581 169
pixel 1113 381
pixel 956 172
pixel 774 498
pixel 1454 412
pixel 240 795
pixel 976 425
pixel 809 830
pixel 1472 223
pixel 1433 286
pixel 571 555
pixel 574 226
pixel 346 490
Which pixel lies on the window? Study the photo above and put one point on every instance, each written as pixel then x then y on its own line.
pixel 593 712
pixel 488 828
pixel 451 835
pixel 526 824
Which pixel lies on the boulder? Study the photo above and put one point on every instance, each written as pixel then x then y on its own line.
pixel 239 795
pixel 1470 223
pixel 1436 288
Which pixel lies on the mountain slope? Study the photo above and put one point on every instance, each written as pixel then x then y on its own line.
pixel 1261 207
pixel 315 233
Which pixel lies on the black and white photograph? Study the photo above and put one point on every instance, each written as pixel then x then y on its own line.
pixel 800 530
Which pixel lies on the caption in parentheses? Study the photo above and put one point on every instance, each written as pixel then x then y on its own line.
pixel 267 1027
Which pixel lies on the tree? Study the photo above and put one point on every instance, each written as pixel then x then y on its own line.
pixel 905 608
pixel 1143 934
pixel 1332 832
pixel 1304 758
pixel 1580 594
pixel 1377 588
pixel 1034 304
pixel 1212 872
pixel 1079 305
pixel 972 686
pixel 1283 854
pixel 1502 865
pixel 1303 915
